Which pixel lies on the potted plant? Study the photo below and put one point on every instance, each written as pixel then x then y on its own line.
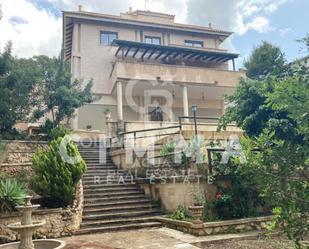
pixel 88 127
pixel 108 114
pixel 197 206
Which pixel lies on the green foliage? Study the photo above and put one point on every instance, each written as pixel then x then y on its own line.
pixel 239 199
pixel 61 96
pixel 181 213
pixel 53 176
pixel 265 60
pixel 12 194
pixel 59 131
pixel 53 132
pixel 168 148
pixel 274 114
pixel 18 78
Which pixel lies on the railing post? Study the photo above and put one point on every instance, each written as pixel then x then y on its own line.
pixel 180 124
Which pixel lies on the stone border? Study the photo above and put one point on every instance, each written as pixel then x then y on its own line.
pixel 218 227
pixel 59 222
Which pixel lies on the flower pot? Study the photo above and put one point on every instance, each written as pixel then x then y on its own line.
pixel 108 116
pixel 197 212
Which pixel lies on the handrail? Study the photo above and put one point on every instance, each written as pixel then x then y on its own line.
pixel 152 129
pixel 121 136
pixel 197 117
pixel 181 118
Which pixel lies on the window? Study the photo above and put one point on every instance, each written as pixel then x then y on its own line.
pixel 153 40
pixel 106 38
pixel 197 44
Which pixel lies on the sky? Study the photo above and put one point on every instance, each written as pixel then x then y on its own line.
pixel 35 26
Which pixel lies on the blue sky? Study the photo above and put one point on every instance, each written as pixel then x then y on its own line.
pixel 290 24
pixel 35 25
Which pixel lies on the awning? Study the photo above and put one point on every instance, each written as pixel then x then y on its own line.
pixel 140 50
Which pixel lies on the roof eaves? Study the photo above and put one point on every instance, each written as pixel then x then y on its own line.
pixel 176 26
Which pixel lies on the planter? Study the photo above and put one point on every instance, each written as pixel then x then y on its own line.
pixel 197 212
pixel 108 116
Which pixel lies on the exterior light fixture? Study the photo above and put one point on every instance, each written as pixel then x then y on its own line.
pixel 194 110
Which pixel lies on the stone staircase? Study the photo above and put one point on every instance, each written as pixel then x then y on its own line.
pixel 112 201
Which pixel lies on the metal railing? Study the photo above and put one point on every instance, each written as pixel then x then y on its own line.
pixel 121 140
pixel 189 120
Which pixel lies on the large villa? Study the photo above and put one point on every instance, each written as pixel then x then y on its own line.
pixel 143 62
pixel 147 135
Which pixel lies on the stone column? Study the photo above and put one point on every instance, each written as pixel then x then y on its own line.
pixel 185 101
pixel 119 101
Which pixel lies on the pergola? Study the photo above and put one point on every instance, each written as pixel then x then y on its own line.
pixel 142 51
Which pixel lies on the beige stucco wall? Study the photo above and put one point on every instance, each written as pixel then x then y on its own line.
pixel 90 59
pixel 170 195
pixel 177 74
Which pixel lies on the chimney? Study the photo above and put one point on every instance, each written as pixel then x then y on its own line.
pixel 80 7
pixel 130 9
pixel 209 25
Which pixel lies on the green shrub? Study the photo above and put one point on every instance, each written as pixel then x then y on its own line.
pixel 54 132
pixel 55 178
pixel 181 213
pixel 12 194
pixel 57 132
pixel 167 149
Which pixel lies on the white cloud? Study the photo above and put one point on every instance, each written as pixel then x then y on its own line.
pixel 236 15
pixel 284 32
pixel 41 32
pixel 260 24
pixel 38 28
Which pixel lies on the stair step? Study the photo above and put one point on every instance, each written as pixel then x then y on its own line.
pixel 95 182
pixel 106 186
pixel 116 222
pixel 103 170
pixel 115 198
pixel 124 214
pixel 114 204
pixel 117 228
pixel 110 190
pixel 113 194
pixel 149 206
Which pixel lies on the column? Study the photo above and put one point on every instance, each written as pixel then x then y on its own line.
pixel 185 101
pixel 119 101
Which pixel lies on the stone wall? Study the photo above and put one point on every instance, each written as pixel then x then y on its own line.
pixel 171 194
pixel 17 156
pixel 59 222
pixel 218 227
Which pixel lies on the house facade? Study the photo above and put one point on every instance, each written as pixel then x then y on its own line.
pixel 147 69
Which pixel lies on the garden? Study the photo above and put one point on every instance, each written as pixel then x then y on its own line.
pixel 272 109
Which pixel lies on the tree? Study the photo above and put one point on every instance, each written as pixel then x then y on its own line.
pixel 55 177
pixel 59 94
pixel 18 80
pixel 265 60
pixel 274 115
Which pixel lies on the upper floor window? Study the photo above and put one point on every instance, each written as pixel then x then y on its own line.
pixel 197 44
pixel 153 40
pixel 106 37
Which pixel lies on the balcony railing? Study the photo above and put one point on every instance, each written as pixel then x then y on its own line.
pixel 124 70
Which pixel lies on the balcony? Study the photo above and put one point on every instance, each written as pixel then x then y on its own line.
pixel 177 74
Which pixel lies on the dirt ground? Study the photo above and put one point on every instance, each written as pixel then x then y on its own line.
pixel 251 244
